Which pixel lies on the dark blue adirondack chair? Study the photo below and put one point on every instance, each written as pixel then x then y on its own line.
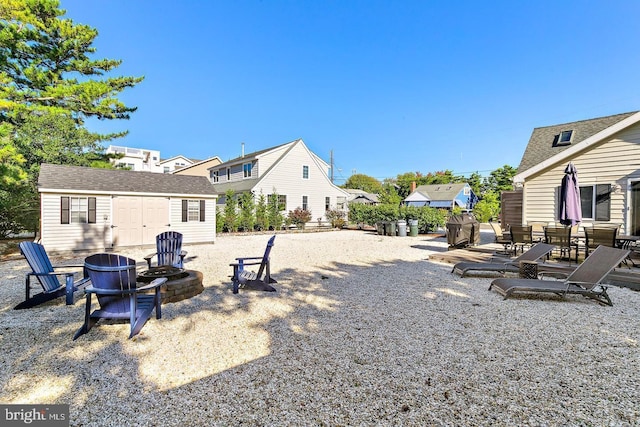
pixel 168 250
pixel 49 279
pixel 251 280
pixel 113 280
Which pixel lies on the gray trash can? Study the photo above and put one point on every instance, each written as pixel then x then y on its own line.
pixel 380 228
pixel 402 228
pixel 390 228
pixel 413 227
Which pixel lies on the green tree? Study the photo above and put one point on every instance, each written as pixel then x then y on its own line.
pixel 14 186
pixel 230 211
pixel 262 220
pixel 49 85
pixel 364 183
pixel 389 195
pixel 488 207
pixel 274 212
pixel 46 65
pixel 247 208
pixel 501 179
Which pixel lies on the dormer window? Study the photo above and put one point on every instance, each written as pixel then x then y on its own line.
pixel 565 137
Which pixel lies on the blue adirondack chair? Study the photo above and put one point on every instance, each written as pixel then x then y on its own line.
pixel 259 280
pixel 113 281
pixel 168 250
pixel 49 279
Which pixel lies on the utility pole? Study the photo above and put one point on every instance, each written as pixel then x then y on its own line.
pixel 331 161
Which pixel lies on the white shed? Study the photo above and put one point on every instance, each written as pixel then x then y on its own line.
pixel 101 209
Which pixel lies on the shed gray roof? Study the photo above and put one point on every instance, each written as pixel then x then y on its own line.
pixel 542 145
pixel 63 177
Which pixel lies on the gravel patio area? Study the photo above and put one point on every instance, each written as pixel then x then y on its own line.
pixel 363 330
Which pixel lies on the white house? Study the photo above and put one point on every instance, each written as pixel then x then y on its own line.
pixel 103 209
pixel 298 176
pixel 137 159
pixel 176 163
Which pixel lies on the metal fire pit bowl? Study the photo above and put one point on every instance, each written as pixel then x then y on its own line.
pixel 170 272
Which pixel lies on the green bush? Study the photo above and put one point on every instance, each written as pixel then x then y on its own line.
pixel 336 217
pixel 428 218
pixel 299 217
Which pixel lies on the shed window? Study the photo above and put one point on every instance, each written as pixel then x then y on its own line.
pixel 77 210
pixel 193 210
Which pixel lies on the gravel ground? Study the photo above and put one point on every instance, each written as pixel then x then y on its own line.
pixel 363 331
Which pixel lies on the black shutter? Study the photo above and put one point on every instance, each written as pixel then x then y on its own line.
pixel 185 213
pixel 92 210
pixel 603 202
pixel 201 210
pixel 64 210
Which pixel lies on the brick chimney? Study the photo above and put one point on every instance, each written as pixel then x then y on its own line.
pixel 413 186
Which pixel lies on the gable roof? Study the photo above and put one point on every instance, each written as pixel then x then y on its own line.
pixel 110 181
pixel 438 192
pixel 543 142
pixel 196 164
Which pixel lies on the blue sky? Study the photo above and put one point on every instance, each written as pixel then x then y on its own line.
pixel 389 86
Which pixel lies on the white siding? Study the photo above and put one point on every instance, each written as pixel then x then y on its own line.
pixel 613 161
pixel 194 231
pixel 61 237
pixel 286 179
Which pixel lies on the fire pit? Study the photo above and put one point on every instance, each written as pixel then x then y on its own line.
pixel 181 284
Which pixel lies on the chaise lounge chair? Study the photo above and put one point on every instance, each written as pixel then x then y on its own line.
pixel 508 265
pixel 585 280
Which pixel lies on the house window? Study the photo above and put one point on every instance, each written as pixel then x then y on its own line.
pixel 246 168
pixel 215 176
pixel 77 210
pixel 228 174
pixel 596 202
pixel 305 203
pixel 193 210
pixel 282 202
pixel 327 203
pixel 467 191
pixel 305 172
pixel 340 202
pixel 166 169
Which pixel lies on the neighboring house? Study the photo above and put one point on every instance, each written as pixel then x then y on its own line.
pixel 176 163
pixel 606 153
pixel 200 168
pixel 137 159
pixel 444 196
pixel 298 176
pixel 101 209
pixel 360 196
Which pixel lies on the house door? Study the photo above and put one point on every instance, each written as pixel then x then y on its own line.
pixel 137 220
pixel 127 221
pixel 635 208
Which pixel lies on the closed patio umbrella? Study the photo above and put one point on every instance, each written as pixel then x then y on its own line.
pixel 570 209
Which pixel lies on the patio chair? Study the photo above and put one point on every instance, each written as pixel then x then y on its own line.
pixel 599 236
pixel 560 237
pixel 500 238
pixel 521 236
pixel 168 250
pixel 585 280
pixel 113 280
pixel 49 279
pixel 510 265
pixel 251 280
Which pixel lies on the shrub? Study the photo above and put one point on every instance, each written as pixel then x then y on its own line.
pixel 299 217
pixel 336 217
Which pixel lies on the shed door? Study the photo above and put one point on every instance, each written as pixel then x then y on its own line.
pixel 137 220
pixel 155 218
pixel 127 221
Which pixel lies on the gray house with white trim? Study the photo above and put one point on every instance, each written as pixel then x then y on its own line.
pixel 103 209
